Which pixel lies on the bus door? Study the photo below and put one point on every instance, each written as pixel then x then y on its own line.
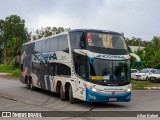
pixel 81 89
pixel 75 86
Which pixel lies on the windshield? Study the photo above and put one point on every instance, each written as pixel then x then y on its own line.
pixel 157 72
pixel 144 71
pixel 110 72
pixel 106 40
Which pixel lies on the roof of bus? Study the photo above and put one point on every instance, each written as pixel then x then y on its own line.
pixel 64 33
pixel 96 30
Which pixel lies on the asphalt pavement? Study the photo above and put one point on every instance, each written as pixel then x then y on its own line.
pixel 14 96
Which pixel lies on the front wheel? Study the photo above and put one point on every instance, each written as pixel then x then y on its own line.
pixel 147 79
pixel 71 99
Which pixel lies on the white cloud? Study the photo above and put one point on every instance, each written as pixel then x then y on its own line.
pixel 137 18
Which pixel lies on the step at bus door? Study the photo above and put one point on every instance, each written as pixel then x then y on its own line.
pixel 75 87
pixel 81 89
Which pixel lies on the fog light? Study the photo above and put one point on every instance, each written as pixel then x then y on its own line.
pixel 129 97
pixel 92 96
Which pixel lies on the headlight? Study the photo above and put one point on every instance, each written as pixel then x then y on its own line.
pixel 94 90
pixel 128 90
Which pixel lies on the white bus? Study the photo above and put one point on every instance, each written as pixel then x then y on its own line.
pixel 84 64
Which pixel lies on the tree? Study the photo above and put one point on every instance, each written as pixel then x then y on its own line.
pixel 13 34
pixel 48 31
pixel 14 26
pixel 150 56
pixel 12 51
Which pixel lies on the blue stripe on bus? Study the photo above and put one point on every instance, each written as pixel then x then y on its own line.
pixel 97 97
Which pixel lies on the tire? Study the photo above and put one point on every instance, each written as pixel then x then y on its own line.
pixel 147 79
pixel 28 84
pixel 62 93
pixel 71 99
pixel 31 85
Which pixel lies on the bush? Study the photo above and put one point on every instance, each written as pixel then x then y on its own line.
pixel 14 72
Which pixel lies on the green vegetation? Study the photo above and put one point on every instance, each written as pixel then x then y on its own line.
pixel 150 55
pixel 13 71
pixel 13 34
pixel 141 85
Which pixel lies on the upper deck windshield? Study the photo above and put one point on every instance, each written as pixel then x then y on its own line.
pixel 106 40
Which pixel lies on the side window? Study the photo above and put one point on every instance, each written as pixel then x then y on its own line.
pixel 62 42
pixel 76 38
pixel 152 71
pixel 38 47
pixel 53 44
pixel 45 45
pixel 62 69
pixel 80 63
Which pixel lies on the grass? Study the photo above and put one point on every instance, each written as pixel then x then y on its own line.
pixel 141 85
pixel 13 72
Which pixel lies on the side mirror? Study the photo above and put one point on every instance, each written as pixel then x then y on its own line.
pixel 66 50
pixel 138 64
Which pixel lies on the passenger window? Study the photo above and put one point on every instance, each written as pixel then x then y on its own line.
pixel 77 38
pixel 62 42
pixel 62 69
pixel 53 44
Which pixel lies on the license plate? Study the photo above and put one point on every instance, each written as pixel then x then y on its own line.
pixel 112 99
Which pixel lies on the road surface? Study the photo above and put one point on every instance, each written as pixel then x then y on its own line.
pixel 14 96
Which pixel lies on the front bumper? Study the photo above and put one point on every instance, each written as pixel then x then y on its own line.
pixel 154 79
pixel 98 97
pixel 140 78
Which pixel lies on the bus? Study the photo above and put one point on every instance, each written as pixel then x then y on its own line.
pixel 82 64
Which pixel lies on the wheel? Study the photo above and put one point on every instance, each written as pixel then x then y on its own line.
pixel 71 99
pixel 27 84
pixel 147 79
pixel 62 93
pixel 31 85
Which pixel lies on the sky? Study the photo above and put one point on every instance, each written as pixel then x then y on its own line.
pixel 135 18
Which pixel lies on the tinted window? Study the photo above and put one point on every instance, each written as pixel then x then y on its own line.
pixel 134 71
pixel 38 46
pixel 28 48
pixel 53 43
pixel 45 45
pixel 63 69
pixel 153 71
pixel 145 71
pixel 62 42
pixel 106 40
pixel 80 63
pixel 75 38
pixel 157 72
